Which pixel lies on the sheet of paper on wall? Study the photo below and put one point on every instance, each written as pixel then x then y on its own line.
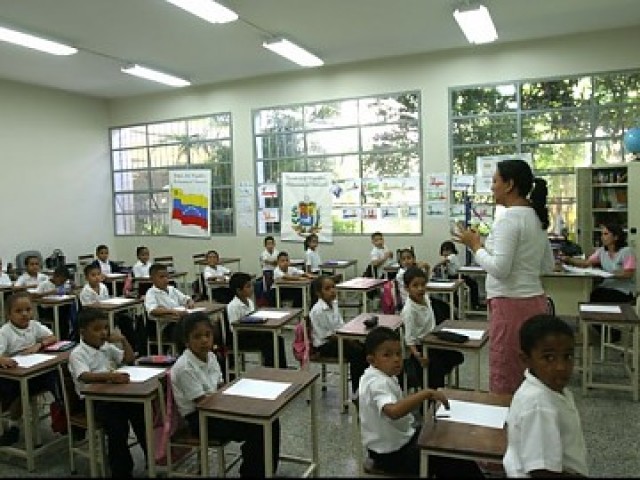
pixel 462 182
pixel 473 414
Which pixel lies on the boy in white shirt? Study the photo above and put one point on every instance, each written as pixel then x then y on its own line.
pixel 214 271
pixel 381 256
pixel 32 277
pixel 268 262
pixel 386 418
pixel 544 434
pixel 163 299
pixel 141 267
pixel 290 274
pixel 242 306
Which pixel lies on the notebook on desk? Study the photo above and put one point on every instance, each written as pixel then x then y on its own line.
pixel 252 319
pixel 60 346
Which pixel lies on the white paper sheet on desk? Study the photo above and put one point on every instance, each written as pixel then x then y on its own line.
pixel 588 271
pixel 474 414
pixel 472 334
pixel 265 389
pixel 440 284
pixel 601 308
pixel 116 301
pixel 140 374
pixel 472 268
pixel 190 310
pixel 59 298
pixel 337 263
pixel 269 314
pixel 26 361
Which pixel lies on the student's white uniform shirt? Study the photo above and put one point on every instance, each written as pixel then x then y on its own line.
pixel 543 431
pixel 192 378
pixel 14 339
pixel 378 254
pixel 105 267
pixel 141 270
pixel 312 260
pixel 49 286
pixel 453 264
pixel 325 320
pixel 271 257
pixel 85 358
pixel 215 272
pixel 88 295
pixel 379 432
pixel 171 298
pixel 401 287
pixel 418 320
pixel 236 309
pixel 293 271
pixel 5 281
pixel 26 280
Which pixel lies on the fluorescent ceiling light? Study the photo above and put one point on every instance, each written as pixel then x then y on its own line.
pixel 476 23
pixel 36 43
pixel 293 52
pixel 208 9
pixel 154 75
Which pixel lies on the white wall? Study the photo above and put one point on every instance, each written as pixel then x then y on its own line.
pixel 431 74
pixel 55 185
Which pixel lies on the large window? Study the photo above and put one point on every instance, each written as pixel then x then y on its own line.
pixel 371 146
pixel 563 122
pixel 141 157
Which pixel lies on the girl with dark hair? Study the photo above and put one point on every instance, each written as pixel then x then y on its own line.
pixel 450 264
pixel 514 255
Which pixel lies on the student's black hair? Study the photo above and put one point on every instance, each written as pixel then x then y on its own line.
pixel 619 232
pixel 377 336
pixel 101 247
pixel 140 249
pixel 13 298
pixel 448 245
pixel 89 267
pixel 157 267
pixel 62 271
pixel 282 254
pixel 307 239
pixel 213 252
pixel 187 325
pixel 88 315
pixel 269 237
pixel 532 188
pixel 413 272
pixel 538 327
pixel 238 280
pixel 376 234
pixel 407 250
pixel 29 257
pixel 316 287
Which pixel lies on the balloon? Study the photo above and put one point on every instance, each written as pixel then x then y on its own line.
pixel 632 140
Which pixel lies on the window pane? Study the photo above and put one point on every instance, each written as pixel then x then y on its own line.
pixel 464 159
pixel 404 107
pixel 159 179
pixel 486 129
pixel 275 146
pixel 209 152
pixel 210 128
pixel 556 125
pixel 167 132
pixel 160 203
pixel 220 174
pixel 342 166
pixel 495 99
pixel 130 159
pixel 569 92
pixel 390 137
pixel 278 120
pixel 609 151
pixel 331 115
pixel 125 224
pixel 556 156
pixel 168 156
pixel 617 88
pixel 391 164
pixel 131 203
pixel 274 168
pixel 614 121
pixel 333 141
pixel 129 137
pixel 133 180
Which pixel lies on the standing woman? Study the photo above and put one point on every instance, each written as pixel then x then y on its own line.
pixel 515 254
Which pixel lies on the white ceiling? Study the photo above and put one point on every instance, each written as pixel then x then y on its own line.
pixel 110 33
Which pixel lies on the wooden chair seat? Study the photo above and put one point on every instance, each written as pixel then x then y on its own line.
pixel 184 437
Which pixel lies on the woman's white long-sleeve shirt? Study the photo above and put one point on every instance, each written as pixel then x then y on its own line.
pixel 515 254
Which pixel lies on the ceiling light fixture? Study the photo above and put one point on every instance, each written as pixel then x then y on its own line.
pixel 293 52
pixel 156 76
pixel 207 9
pixel 476 23
pixel 36 43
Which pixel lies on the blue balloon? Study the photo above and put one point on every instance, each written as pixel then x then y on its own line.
pixel 632 140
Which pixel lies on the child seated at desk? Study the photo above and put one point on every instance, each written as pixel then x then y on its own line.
pixel 94 291
pixel 449 266
pixel 268 262
pixel 381 256
pixel 386 418
pixel 195 375
pixel 419 320
pixel 213 271
pixel 163 299
pixel 407 260
pixel 544 434
pixel 32 277
pixel 22 335
pixel 312 260
pixel 290 274
pixel 59 284
pixel 141 267
pixel 240 307
pixel 93 360
pixel 107 267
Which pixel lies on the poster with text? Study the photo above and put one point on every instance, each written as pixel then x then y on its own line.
pixel 306 206
pixel 486 167
pixel 190 203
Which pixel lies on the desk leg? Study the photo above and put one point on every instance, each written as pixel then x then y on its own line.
pixel 478 371
pixel 112 321
pixel 268 449
pixel 452 306
pixel 27 424
pixel 585 357
pixel 364 302
pixel 277 296
pixel 634 372
pixel 276 350
pixel 91 432
pixel 424 464
pixel 236 355
pixel 314 429
pixel 204 444
pixel 151 447
pixel 343 377
pixel 56 322
pixel 305 306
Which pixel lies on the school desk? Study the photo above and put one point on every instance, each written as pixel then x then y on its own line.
pixel 219 282
pixel 334 265
pixel 30 420
pixel 55 302
pixel 117 304
pixel 133 392
pixel 471 346
pixel 463 440
pixel 303 284
pixel 472 271
pixel 272 325
pixel 200 261
pixel 449 288
pixel 144 284
pixel 113 279
pixel 263 412
pixel 625 318
pixel 355 329
pixel 362 285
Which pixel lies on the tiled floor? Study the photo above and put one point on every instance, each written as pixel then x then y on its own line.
pixel 611 424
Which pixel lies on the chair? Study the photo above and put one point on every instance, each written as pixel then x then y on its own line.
pixel 20 258
pixel 167 261
pixel 83 261
pixel 226 339
pixel 161 338
pixel 316 357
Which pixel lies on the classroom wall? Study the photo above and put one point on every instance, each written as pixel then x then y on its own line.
pixel 432 74
pixel 55 184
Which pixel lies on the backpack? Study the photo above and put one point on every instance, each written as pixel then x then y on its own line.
pixel 55 260
pixel 388 300
pixel 302 348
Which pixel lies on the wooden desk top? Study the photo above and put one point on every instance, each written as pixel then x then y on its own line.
pixel 224 281
pixel 477 269
pixel 361 283
pixel 131 389
pixel 338 263
pixel 453 438
pixel 394 267
pixel 50 300
pixel 271 323
pixel 357 327
pixel 446 286
pixel 434 341
pixel 19 372
pixel 304 282
pixel 221 260
pixel 257 407
pixel 115 276
pixel 123 302
pixel 13 288
pixel 627 315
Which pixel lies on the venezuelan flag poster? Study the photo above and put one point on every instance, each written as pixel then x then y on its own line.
pixel 190 202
